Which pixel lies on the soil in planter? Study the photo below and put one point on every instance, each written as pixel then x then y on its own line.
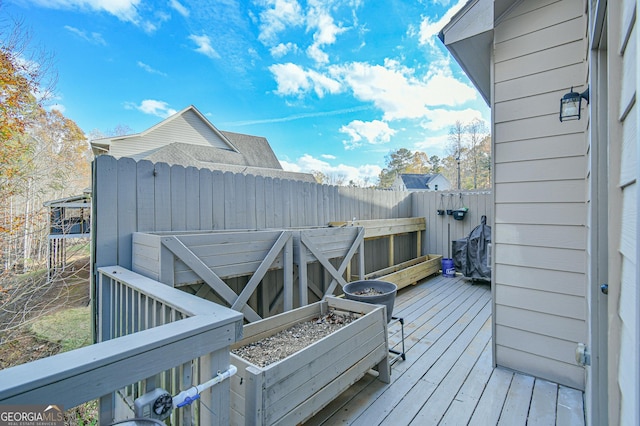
pixel 295 338
pixel 368 292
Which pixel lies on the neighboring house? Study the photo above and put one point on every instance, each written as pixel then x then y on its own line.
pixel 566 193
pixel 187 138
pixel 420 182
pixel 69 218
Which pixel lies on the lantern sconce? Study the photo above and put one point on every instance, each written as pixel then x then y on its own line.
pixel 571 104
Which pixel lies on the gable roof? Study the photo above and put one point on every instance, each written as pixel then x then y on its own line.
pixel 211 158
pixel 105 142
pixel 193 141
pixel 417 181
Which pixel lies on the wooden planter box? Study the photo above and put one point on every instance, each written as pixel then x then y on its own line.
pixel 292 390
pixel 409 272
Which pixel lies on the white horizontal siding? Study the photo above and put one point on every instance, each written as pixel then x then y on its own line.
pixel 556 35
pixel 629 370
pixel 541 61
pixel 553 169
pixel 556 146
pixel 567 237
pixel 546 368
pixel 629 157
pixel 571 329
pixel 574 214
pixel 532 106
pixel 533 16
pixel 185 128
pixel 541 199
pixel 564 260
pixel 550 281
pixel 629 67
pixel 563 191
pixel 544 82
pixel 538 127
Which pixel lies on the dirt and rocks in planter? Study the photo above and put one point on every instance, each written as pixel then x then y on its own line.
pixel 293 339
pixel 369 291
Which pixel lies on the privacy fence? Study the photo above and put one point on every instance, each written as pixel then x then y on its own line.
pixel 130 197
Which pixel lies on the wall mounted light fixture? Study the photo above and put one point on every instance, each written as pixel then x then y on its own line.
pixel 571 104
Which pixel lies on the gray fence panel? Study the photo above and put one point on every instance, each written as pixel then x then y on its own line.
pixel 441 230
pixel 149 197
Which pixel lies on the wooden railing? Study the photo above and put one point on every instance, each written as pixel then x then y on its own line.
pixel 151 336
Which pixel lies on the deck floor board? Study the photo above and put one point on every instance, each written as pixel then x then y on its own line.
pixel 448 377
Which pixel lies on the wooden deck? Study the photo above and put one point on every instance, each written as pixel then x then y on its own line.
pixel 448 378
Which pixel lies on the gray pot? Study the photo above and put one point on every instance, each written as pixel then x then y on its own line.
pixel 387 298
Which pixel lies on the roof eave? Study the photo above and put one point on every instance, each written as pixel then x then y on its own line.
pixel 469 37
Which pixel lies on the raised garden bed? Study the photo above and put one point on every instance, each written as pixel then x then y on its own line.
pixel 409 272
pixel 293 389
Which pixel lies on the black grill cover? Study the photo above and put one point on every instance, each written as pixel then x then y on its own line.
pixel 471 254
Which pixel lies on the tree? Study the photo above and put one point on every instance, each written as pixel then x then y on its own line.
pixel 26 78
pixel 456 135
pixel 43 155
pixel 420 163
pixel 319 176
pixel 403 161
pixel 468 163
pixel 476 132
pixel 436 164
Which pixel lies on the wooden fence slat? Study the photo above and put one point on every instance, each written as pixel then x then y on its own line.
pixel 230 218
pixel 127 221
pixel 192 197
pixel 261 195
pixel 218 197
pixel 178 198
pixel 105 207
pixel 205 186
pixel 250 202
pixel 145 196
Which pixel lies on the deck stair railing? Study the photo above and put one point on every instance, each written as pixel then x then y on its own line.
pixel 151 335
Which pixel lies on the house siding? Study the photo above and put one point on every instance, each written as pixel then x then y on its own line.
pixel 540 189
pixel 623 40
pixel 185 128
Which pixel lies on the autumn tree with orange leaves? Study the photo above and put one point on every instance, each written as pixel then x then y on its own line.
pixel 43 155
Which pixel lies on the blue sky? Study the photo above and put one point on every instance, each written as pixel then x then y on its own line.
pixel 334 85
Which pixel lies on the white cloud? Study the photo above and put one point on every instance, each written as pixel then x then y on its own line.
pixel 430 29
pixel 293 80
pixel 150 69
pixel 320 20
pixel 179 7
pixel 125 10
pixel 317 54
pixel 394 88
pixel 373 132
pixel 364 175
pixel 439 119
pixel 434 145
pixel 93 38
pixel 282 49
pixel 278 16
pixel 153 107
pixel 328 156
pixel 204 46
